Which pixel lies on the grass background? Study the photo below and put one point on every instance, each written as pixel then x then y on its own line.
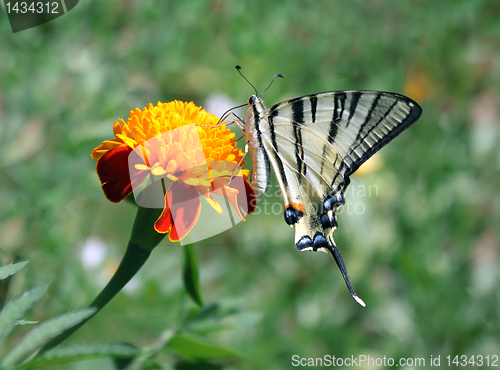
pixel 424 255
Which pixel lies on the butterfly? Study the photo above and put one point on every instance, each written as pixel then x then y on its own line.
pixel 314 143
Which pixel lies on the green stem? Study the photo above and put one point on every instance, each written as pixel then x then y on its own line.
pixel 132 261
pixel 143 240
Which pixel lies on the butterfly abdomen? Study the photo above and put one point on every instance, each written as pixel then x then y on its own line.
pixel 261 172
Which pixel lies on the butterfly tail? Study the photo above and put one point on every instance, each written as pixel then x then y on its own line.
pixel 332 248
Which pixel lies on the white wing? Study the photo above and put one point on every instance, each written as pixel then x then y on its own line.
pixel 314 144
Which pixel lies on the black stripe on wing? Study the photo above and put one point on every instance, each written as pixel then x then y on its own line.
pixel 368 117
pixel 333 129
pixel 314 105
pixel 274 113
pixel 353 105
pixel 338 102
pixel 298 119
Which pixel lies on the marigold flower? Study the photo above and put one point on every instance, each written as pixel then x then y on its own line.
pixel 180 142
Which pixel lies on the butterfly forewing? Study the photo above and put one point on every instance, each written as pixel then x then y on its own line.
pixel 356 123
pixel 314 143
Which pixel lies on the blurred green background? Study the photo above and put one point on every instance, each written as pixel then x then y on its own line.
pixel 424 254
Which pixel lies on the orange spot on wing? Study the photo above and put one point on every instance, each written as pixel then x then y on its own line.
pixel 298 206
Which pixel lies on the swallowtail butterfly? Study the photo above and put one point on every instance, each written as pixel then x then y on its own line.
pixel 314 143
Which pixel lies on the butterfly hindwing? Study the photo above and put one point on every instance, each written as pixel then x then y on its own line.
pixel 314 143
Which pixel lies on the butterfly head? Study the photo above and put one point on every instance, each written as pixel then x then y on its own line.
pixel 256 104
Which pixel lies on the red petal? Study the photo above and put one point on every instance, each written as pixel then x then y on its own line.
pixel 113 171
pixel 250 197
pixel 182 209
pixel 164 223
pixel 247 199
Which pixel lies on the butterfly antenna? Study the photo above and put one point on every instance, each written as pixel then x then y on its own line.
pixel 274 78
pixel 340 263
pixel 221 122
pixel 238 68
pixel 226 113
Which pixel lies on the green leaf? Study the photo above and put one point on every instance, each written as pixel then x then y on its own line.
pixel 14 310
pixel 209 311
pixel 205 320
pixel 147 353
pixel 217 317
pixel 45 332
pixel 194 349
pixel 121 362
pixel 6 271
pixel 25 322
pixel 190 274
pixel 78 352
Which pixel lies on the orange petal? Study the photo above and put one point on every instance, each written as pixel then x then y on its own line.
pixel 113 171
pixel 240 194
pixel 213 202
pixel 182 209
pixel 232 196
pixel 247 199
pixel 106 146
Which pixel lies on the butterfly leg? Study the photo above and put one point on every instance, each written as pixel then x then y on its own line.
pixel 222 121
pixel 239 122
pixel 239 164
pixel 340 263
